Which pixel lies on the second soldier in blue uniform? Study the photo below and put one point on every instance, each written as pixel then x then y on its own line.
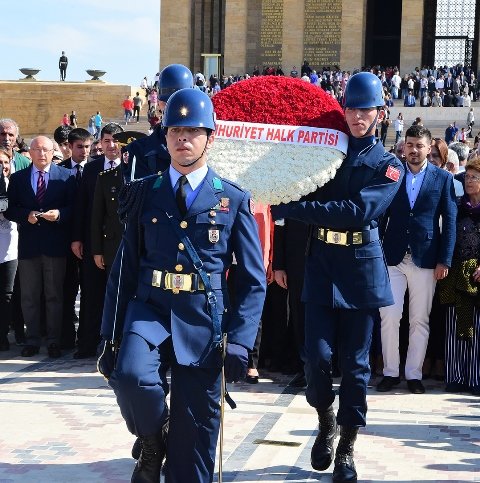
pixel 346 278
pixel 169 316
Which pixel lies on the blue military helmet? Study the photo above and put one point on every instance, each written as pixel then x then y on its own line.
pixel 363 90
pixel 173 78
pixel 189 108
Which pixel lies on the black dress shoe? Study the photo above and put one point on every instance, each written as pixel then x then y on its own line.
pixel 456 387
pixel 415 386
pixel 251 379
pixel 54 351
pixel 30 350
pixel 298 381
pixel 387 383
pixel 67 345
pixel 84 354
pixel 4 344
pixel 476 391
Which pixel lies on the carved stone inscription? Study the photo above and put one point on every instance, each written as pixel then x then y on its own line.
pixel 271 33
pixel 322 32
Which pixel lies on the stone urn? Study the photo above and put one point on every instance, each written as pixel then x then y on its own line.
pixel 29 72
pixel 96 74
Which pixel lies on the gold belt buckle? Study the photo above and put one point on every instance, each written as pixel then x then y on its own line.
pixel 337 237
pixel 357 238
pixel 178 281
pixel 157 278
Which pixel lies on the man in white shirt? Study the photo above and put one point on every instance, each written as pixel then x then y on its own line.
pixel 396 79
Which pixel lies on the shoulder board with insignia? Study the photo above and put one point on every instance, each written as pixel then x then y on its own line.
pixel 109 170
pixel 235 185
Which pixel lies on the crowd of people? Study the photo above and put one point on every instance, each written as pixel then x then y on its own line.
pixel 61 230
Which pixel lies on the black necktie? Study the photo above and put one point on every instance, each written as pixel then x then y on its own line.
pixel 181 195
pixel 78 174
pixel 41 188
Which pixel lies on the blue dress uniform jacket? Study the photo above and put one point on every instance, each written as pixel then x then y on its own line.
pixel 155 313
pixel 418 227
pixel 355 276
pixel 44 237
pixel 345 284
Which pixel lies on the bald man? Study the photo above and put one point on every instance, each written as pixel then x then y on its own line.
pixel 40 201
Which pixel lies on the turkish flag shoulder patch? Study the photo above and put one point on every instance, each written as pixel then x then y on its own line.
pixel 393 173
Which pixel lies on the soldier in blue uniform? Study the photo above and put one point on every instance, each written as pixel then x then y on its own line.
pixel 170 311
pixel 346 278
pixel 151 152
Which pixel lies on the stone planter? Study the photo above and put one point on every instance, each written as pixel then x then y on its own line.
pixel 96 74
pixel 30 73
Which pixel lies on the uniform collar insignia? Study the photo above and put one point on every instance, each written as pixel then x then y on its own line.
pixel 158 182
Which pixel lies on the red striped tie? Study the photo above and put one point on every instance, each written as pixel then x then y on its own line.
pixel 41 188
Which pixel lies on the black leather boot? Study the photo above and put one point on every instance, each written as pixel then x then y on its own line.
pixel 344 470
pixel 322 450
pixel 137 446
pixel 149 464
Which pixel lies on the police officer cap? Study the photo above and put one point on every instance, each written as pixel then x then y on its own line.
pixel 364 90
pixel 189 108
pixel 173 78
pixel 127 137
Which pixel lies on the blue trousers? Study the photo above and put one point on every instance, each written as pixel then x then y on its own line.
pixel 350 331
pixel 140 384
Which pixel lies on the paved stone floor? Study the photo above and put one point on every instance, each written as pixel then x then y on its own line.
pixel 59 422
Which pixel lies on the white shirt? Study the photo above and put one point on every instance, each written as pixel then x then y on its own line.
pixel 398 125
pixel 414 182
pixel 396 79
pixel 74 166
pixel 107 165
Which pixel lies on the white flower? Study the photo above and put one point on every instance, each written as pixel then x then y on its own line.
pixel 274 172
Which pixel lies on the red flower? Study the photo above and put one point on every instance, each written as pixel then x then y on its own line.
pixel 279 100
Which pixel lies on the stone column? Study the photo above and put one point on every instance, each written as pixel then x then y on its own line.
pixel 235 49
pixel 293 20
pixel 352 52
pixel 175 32
pixel 412 35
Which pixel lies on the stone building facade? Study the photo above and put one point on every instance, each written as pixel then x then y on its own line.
pixel 347 33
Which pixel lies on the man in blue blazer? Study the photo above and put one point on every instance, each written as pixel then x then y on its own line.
pixel 40 201
pixel 418 240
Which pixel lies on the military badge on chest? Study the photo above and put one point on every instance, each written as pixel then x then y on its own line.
pixel 213 235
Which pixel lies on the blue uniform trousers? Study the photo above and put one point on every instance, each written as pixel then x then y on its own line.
pixel 141 387
pixel 350 331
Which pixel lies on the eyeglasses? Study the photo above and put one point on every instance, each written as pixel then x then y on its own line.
pixel 469 177
pixel 42 150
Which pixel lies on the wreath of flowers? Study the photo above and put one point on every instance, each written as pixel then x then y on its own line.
pixel 276 172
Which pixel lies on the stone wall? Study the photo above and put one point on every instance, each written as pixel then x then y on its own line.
pixel 38 107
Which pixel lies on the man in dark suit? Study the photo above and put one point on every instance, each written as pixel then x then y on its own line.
pixel 79 142
pixel 94 279
pixel 418 254
pixel 40 201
